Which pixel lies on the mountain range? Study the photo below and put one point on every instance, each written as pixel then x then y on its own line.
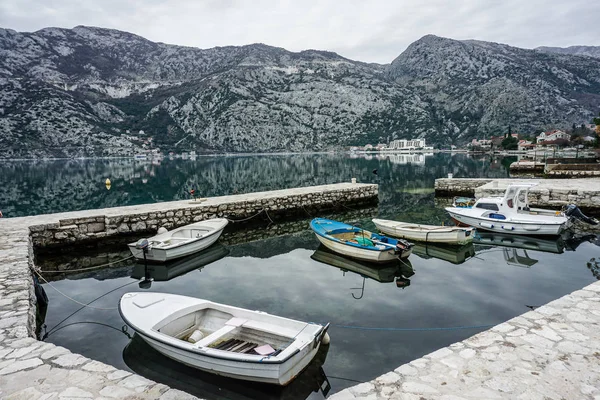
pixel 91 91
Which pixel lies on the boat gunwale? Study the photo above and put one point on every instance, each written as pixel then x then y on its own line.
pixel 424 228
pixel 525 222
pixel 198 351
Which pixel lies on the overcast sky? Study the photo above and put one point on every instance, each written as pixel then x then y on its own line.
pixel 365 30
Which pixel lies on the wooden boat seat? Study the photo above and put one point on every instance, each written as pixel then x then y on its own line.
pixel 214 336
pixel 169 242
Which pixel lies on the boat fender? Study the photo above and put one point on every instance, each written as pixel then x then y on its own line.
pixel 326 339
pixel 508 228
pixel 196 336
pixel 162 230
pixel 486 225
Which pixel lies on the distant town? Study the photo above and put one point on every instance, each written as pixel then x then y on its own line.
pixel 585 136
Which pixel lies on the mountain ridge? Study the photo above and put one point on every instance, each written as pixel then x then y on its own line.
pixel 91 91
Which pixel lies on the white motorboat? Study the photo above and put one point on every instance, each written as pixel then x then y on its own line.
pixel 510 213
pixel 425 233
pixel 180 242
pixel 221 339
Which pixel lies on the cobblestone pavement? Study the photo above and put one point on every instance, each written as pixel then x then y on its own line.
pixel 30 369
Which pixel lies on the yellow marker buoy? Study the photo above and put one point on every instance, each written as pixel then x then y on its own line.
pixel 107 183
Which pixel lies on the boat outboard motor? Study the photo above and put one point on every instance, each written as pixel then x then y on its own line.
pixel 573 212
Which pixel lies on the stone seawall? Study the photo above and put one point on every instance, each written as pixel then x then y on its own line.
pixel 100 224
pixel 448 187
pixel 31 369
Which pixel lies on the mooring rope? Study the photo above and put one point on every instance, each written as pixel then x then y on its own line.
pixel 85 269
pixel 122 330
pixel 70 298
pixel 246 219
pixel 90 302
pixel 450 328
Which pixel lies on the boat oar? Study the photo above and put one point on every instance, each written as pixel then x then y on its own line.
pixel 391 246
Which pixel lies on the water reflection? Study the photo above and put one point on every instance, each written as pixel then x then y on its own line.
pixel 548 245
pixel 398 270
pixel 167 271
pixel 29 188
pixel 453 254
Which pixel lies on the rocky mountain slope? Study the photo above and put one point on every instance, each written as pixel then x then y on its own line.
pixel 590 51
pixel 92 91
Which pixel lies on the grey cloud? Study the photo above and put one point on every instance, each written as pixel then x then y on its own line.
pixel 375 31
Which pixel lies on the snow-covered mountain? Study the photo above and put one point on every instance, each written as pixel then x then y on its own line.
pixel 93 91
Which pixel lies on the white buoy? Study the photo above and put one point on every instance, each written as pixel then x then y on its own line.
pixel 326 338
pixel 162 230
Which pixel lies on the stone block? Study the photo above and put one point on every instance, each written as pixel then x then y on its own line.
pixel 95 227
pixel 138 226
pixel 61 235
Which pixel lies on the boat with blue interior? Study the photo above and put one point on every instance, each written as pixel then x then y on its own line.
pixel 359 243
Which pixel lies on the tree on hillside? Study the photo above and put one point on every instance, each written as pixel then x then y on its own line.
pixel 510 143
pixel 597 122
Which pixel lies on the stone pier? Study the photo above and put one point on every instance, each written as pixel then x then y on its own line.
pixel 31 369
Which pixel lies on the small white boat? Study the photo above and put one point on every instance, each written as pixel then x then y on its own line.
pixel 510 213
pixel 425 233
pixel 355 242
pixel 180 242
pixel 221 339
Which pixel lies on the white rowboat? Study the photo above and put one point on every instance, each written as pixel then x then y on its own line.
pixel 181 242
pixel 221 339
pixel 425 233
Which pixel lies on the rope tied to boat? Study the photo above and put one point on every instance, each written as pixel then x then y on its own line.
pixel 233 221
pixel 450 328
pixel 86 269
pixel 72 299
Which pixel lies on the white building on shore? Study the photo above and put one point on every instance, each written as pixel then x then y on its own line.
pixel 551 136
pixel 406 144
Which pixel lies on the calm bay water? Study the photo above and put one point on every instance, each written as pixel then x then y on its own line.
pixel 286 275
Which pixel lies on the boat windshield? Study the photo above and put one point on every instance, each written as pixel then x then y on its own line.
pixel 510 196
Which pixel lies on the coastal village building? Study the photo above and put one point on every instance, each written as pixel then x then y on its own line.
pixel 525 145
pixel 483 143
pixel 552 136
pixel 406 144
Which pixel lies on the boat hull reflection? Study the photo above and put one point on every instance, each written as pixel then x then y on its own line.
pixel 453 254
pixel 146 361
pixel 383 273
pixel 555 245
pixel 170 270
